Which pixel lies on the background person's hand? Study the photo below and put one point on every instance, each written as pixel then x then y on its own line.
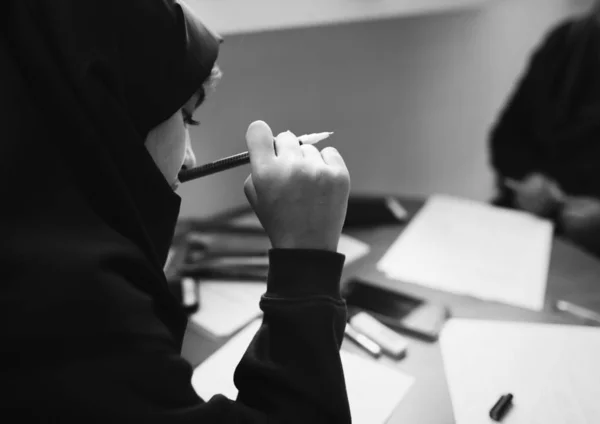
pixel 539 195
pixel 299 194
pixel 580 220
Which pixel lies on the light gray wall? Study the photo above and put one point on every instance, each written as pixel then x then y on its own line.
pixel 410 100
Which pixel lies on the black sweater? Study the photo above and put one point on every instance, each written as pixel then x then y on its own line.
pixel 112 360
pixel 551 123
pixel 89 328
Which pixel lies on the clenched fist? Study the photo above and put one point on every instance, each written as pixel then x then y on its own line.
pixel 300 194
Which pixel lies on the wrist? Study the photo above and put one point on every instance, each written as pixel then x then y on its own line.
pixel 304 272
pixel 307 242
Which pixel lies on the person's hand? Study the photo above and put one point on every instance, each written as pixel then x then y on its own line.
pixel 539 195
pixel 299 194
pixel 580 220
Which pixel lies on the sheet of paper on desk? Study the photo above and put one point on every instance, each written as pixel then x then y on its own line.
pixel 374 389
pixel 551 370
pixel 471 248
pixel 226 306
pixel 354 249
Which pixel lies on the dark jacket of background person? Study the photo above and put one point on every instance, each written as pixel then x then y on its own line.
pixel 551 123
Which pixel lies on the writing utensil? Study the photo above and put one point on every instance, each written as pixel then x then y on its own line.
pixel 396 208
pixel 501 407
pixel 238 160
pixel 363 341
pixel 578 311
pixel 390 342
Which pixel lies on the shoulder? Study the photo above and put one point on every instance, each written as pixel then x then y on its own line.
pixel 556 41
pixel 561 34
pixel 563 28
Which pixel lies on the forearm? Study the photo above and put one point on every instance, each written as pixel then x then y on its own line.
pixel 292 367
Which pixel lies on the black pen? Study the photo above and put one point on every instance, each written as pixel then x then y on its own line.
pixel 238 160
pixel 501 407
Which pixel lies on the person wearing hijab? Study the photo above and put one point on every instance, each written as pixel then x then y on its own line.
pixel 545 147
pixel 97 97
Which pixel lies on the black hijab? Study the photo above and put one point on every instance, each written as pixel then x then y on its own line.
pixel 87 217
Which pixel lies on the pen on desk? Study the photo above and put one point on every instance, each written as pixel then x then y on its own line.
pixel 239 159
pixel 501 407
pixel 363 341
pixel 578 311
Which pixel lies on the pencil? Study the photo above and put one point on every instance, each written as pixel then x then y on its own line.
pixel 238 160
pixel 578 311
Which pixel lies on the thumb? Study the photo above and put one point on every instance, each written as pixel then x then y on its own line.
pixel 259 138
pixel 250 192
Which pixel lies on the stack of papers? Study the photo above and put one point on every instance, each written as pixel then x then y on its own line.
pixel 470 248
pixel 551 370
pixel 373 389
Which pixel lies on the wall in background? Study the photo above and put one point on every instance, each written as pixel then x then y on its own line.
pixel 410 100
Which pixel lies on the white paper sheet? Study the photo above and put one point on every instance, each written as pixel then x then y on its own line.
pixel 353 249
pixel 470 248
pixel 374 389
pixel 551 370
pixel 226 306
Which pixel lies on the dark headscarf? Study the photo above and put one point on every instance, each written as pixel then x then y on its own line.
pixel 87 217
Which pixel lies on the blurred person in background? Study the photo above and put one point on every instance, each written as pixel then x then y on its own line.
pixel 545 146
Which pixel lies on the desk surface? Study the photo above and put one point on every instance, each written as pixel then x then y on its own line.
pixel 573 276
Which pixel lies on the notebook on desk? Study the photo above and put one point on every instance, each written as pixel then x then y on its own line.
pixel 374 390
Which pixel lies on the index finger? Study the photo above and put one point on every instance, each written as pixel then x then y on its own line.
pixel 259 139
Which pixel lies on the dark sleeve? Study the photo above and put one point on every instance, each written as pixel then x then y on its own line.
pixel 292 367
pixel 291 372
pixel 512 143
